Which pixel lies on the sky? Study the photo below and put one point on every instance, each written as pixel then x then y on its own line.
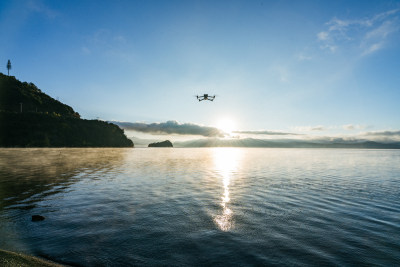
pixel 304 68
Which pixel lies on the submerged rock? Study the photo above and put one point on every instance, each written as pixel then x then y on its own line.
pixel 37 218
pixel 165 143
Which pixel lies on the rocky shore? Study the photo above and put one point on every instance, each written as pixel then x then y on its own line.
pixel 12 259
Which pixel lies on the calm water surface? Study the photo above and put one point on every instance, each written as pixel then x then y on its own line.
pixel 212 206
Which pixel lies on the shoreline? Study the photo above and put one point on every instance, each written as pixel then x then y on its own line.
pixel 10 259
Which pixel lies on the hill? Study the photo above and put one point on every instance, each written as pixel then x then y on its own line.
pixel 13 93
pixel 31 118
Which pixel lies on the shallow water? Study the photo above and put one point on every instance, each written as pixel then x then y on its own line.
pixel 219 206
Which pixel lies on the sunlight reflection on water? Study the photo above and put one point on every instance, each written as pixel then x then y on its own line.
pixel 226 161
pixel 211 206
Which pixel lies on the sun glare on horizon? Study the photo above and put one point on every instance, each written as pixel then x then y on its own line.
pixel 227 125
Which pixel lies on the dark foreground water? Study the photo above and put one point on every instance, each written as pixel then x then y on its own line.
pixel 191 207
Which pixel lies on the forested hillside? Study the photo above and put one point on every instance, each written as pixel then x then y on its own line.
pixel 31 118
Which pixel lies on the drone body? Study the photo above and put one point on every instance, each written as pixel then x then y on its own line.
pixel 205 97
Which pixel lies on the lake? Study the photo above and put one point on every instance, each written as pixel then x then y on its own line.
pixel 202 206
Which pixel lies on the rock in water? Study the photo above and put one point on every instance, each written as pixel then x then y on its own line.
pixel 37 218
pixel 166 143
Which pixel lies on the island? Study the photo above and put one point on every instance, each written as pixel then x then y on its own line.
pixel 165 143
pixel 31 118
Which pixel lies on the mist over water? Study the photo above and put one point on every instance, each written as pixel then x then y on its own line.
pixel 220 206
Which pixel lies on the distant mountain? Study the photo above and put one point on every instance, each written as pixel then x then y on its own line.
pixel 165 143
pixel 250 142
pixel 31 118
pixel 139 142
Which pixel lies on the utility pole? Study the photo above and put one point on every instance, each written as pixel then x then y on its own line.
pixel 21 107
pixel 8 67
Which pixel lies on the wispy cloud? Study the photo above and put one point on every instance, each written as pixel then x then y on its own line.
pixel 303 57
pixel 108 43
pixel 86 50
pixel 263 132
pixel 351 127
pixel 310 128
pixel 38 6
pixel 370 34
pixel 372 48
pixel 323 36
pixel 281 73
pixel 171 127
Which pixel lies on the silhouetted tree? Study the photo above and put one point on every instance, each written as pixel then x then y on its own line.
pixel 8 67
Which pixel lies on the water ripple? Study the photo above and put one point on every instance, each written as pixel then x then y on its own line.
pixel 185 207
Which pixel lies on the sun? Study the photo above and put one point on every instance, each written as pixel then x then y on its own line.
pixel 226 125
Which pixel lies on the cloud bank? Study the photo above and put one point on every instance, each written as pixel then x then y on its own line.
pixel 322 143
pixel 171 127
pixel 384 134
pixel 264 133
pixel 190 129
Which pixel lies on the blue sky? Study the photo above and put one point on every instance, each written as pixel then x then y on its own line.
pixel 324 68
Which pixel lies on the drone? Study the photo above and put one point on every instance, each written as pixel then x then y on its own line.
pixel 205 97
